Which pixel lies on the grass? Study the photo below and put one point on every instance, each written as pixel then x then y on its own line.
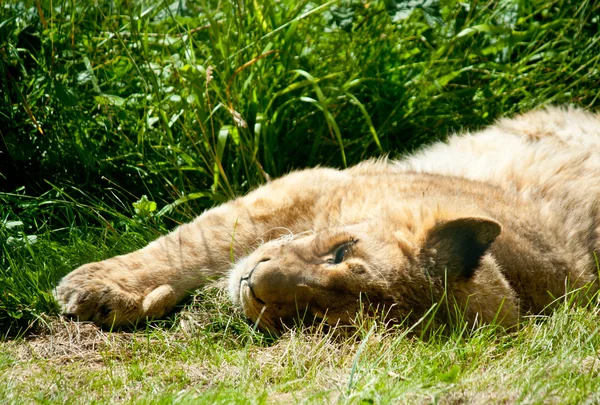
pixel 191 103
pixel 215 357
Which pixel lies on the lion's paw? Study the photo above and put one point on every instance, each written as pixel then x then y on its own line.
pixel 111 297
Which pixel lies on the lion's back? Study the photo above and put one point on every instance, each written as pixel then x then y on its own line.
pixel 548 153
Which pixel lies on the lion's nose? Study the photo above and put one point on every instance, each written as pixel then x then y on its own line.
pixel 271 280
pixel 248 275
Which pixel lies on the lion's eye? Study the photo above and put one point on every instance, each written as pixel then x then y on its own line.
pixel 340 254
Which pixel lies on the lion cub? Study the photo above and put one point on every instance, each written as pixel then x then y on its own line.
pixel 499 223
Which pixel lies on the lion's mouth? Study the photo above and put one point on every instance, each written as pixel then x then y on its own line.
pixel 252 306
pixel 247 281
pixel 257 310
pixel 246 292
pixel 275 318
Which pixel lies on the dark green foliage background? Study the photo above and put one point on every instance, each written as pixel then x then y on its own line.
pixel 104 102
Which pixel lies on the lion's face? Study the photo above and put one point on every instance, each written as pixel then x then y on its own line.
pixel 334 273
pixel 314 276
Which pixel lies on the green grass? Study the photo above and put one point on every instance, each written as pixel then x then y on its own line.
pixel 191 103
pixel 209 355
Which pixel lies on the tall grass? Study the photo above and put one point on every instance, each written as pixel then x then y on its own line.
pixel 190 103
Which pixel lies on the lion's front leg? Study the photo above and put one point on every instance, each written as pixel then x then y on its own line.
pixel 149 282
pixel 143 284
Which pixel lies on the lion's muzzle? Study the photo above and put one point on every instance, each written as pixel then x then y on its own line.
pixel 275 287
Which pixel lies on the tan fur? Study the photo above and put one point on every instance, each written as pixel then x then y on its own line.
pixel 499 223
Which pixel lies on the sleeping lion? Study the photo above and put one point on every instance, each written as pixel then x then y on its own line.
pixel 500 223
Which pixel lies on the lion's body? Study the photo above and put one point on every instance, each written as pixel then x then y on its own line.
pixel 503 221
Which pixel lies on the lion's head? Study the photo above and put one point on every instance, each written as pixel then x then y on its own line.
pixel 397 265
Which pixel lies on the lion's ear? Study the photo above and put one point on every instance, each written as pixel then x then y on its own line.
pixel 457 246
